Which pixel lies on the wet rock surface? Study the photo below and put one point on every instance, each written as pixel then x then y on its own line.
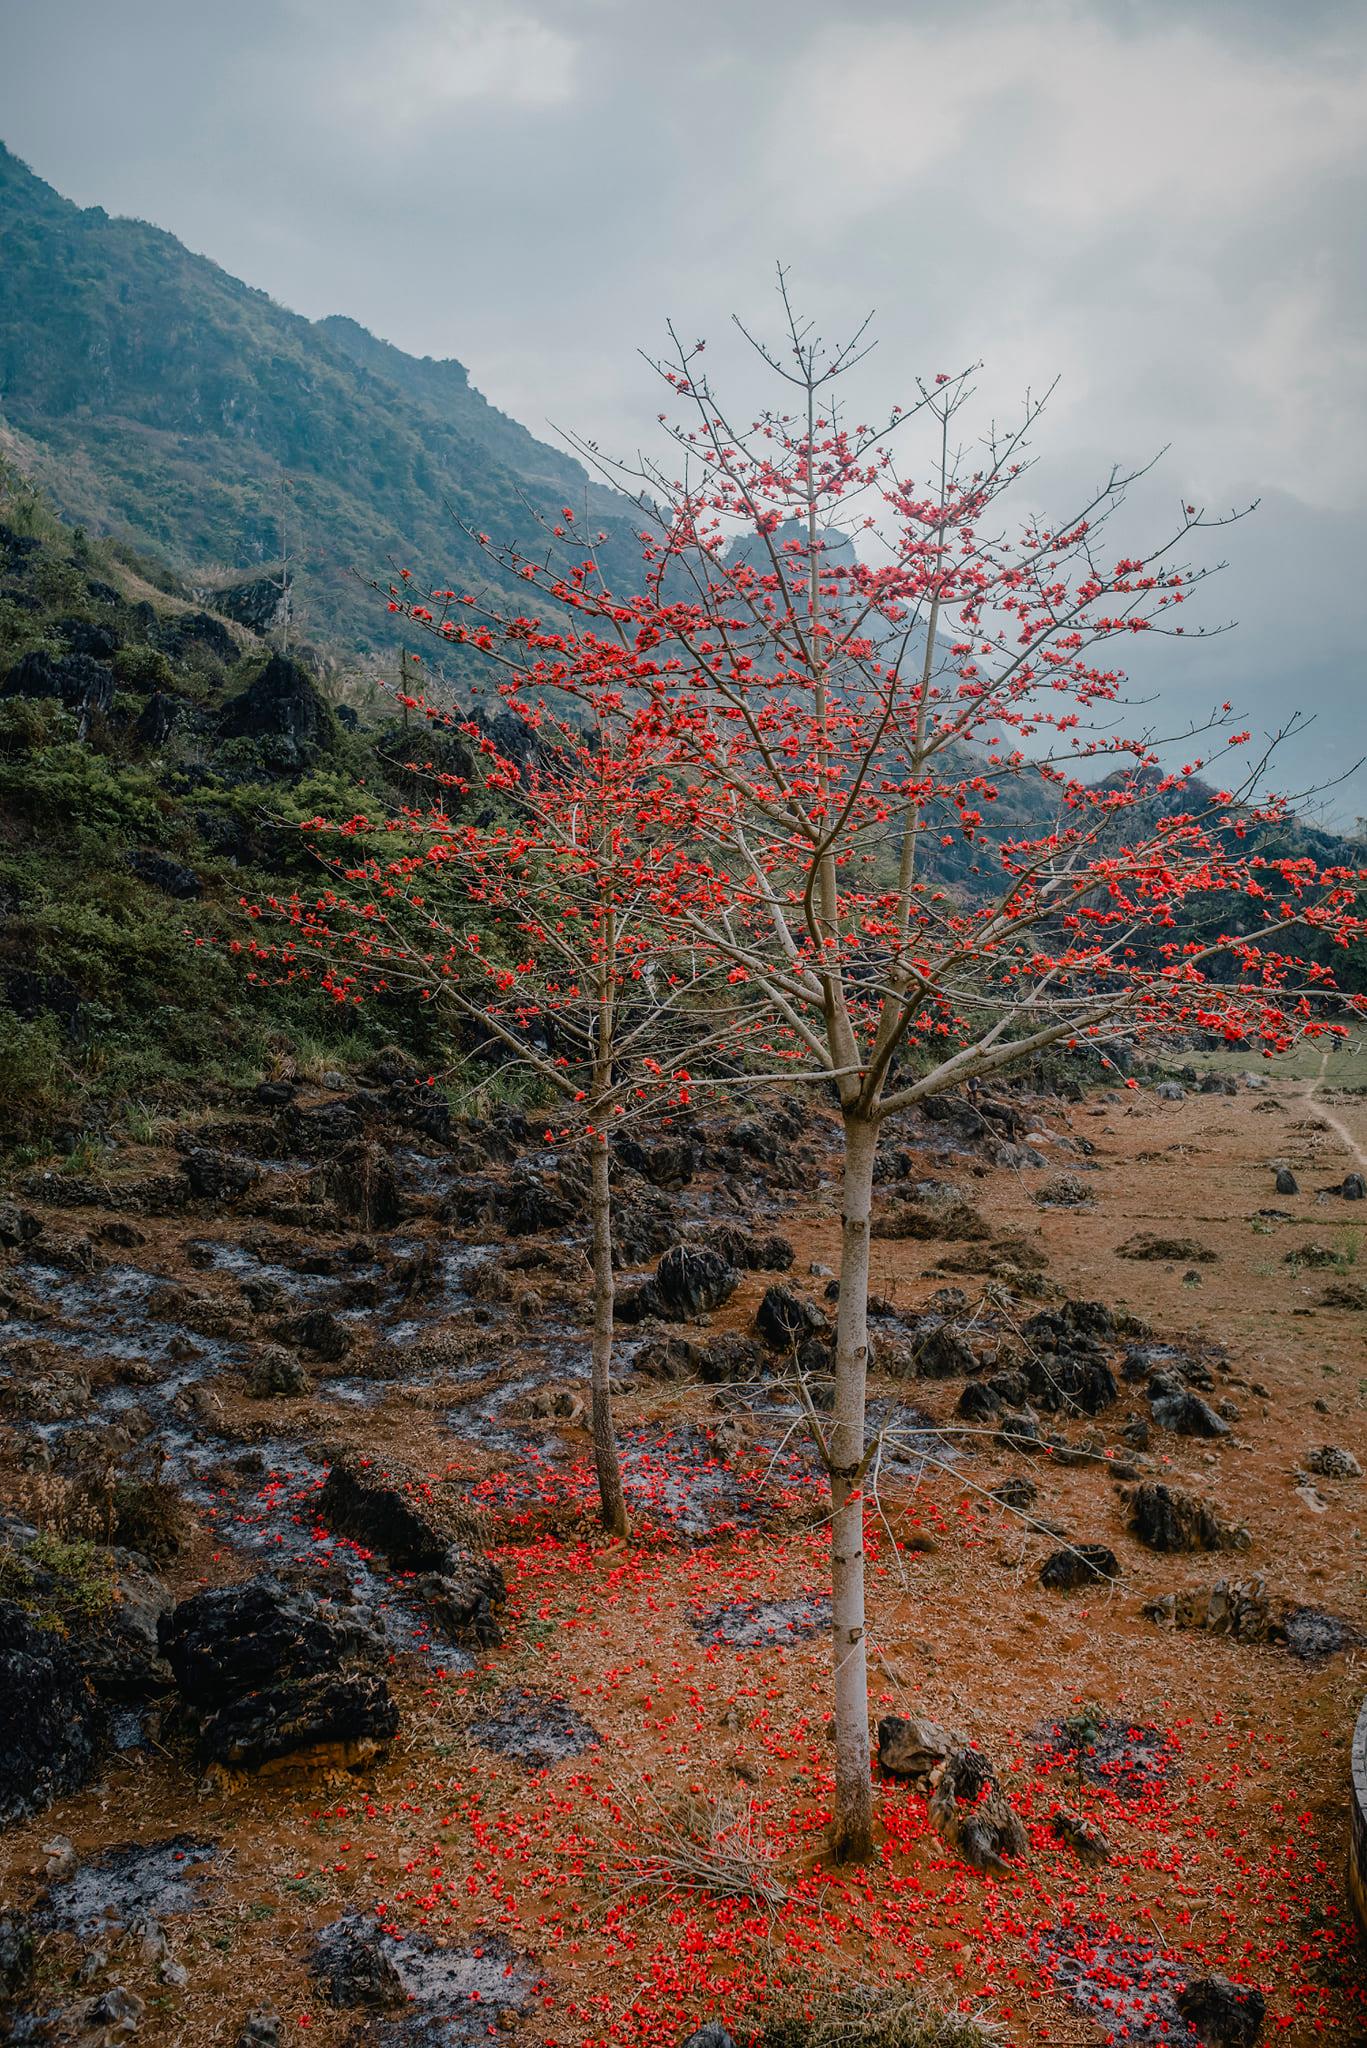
pixel 1127 1987
pixel 764 1624
pixel 133 1882
pixel 1123 1757
pixel 535 1728
pixel 450 1997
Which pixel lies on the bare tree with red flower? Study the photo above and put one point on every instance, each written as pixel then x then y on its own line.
pixel 903 816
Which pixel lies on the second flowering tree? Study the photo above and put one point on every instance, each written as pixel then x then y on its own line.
pixel 526 896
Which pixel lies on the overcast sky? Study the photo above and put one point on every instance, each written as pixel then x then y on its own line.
pixel 1160 202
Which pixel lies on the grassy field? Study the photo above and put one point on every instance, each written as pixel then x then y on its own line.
pixel 1345 1068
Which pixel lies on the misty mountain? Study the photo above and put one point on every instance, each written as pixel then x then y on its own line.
pixel 160 400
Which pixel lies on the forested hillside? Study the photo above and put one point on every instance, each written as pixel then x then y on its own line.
pixel 165 402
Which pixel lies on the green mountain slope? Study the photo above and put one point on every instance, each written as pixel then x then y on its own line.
pixel 160 399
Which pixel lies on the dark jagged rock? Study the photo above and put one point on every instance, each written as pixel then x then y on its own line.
pixel 399 1514
pixel 784 1317
pixel 533 1202
pixel 88 636
pixel 1167 1367
pixel 157 720
pixel 909 1747
pixel 1077 1383
pixel 1225 2015
pixel 353 1968
pixel 643 1225
pixel 692 1280
pixel 463 1595
pixel 969 1812
pixel 83 685
pixel 952 1221
pixel 237 1639
pixel 1354 1188
pixel 317 1331
pixel 218 1176
pixel 940 1351
pixel 321 1127
pixel 1242 1609
pixel 1286 1182
pixel 283 704
pixel 723 1360
pixel 1082 1836
pixel 980 1402
pixel 667 1163
pixel 1084 1564
pixel 260 602
pixel 187 632
pixel 1019 1495
pixel 117 1645
pixel 273 1674
pixel 54 1730
pixel 360 1182
pixel 346 1719
pixel 713 2035
pixel 1329 1461
pixel 18 1952
pixel 1177 1408
pixel 1072 1323
pixel 17 1226
pixel 638 1304
pixel 1164 1518
pixel 276 1372
pixel 752 1252
pixel 159 871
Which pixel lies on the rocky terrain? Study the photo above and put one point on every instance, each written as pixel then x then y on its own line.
pixel 326 1713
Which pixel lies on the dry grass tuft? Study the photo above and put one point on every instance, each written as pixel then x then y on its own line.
pixel 836 2014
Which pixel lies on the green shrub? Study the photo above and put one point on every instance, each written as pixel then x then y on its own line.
pixel 35 1079
pixel 143 668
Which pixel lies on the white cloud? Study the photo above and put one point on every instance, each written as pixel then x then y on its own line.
pixel 440 58
pixel 1069 117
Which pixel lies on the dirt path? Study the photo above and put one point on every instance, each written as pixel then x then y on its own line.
pixel 1336 1124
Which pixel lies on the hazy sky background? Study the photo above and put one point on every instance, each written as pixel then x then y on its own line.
pixel 1160 202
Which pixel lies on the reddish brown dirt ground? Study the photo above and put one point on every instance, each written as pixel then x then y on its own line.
pixel 1237 1858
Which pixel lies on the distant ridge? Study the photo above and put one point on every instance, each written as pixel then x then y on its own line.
pixel 163 401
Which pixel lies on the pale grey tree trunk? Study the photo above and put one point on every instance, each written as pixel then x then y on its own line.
pixel 853 1828
pixel 605 1458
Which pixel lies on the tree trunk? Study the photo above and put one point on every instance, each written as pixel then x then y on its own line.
pixel 614 1507
pixel 852 1834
